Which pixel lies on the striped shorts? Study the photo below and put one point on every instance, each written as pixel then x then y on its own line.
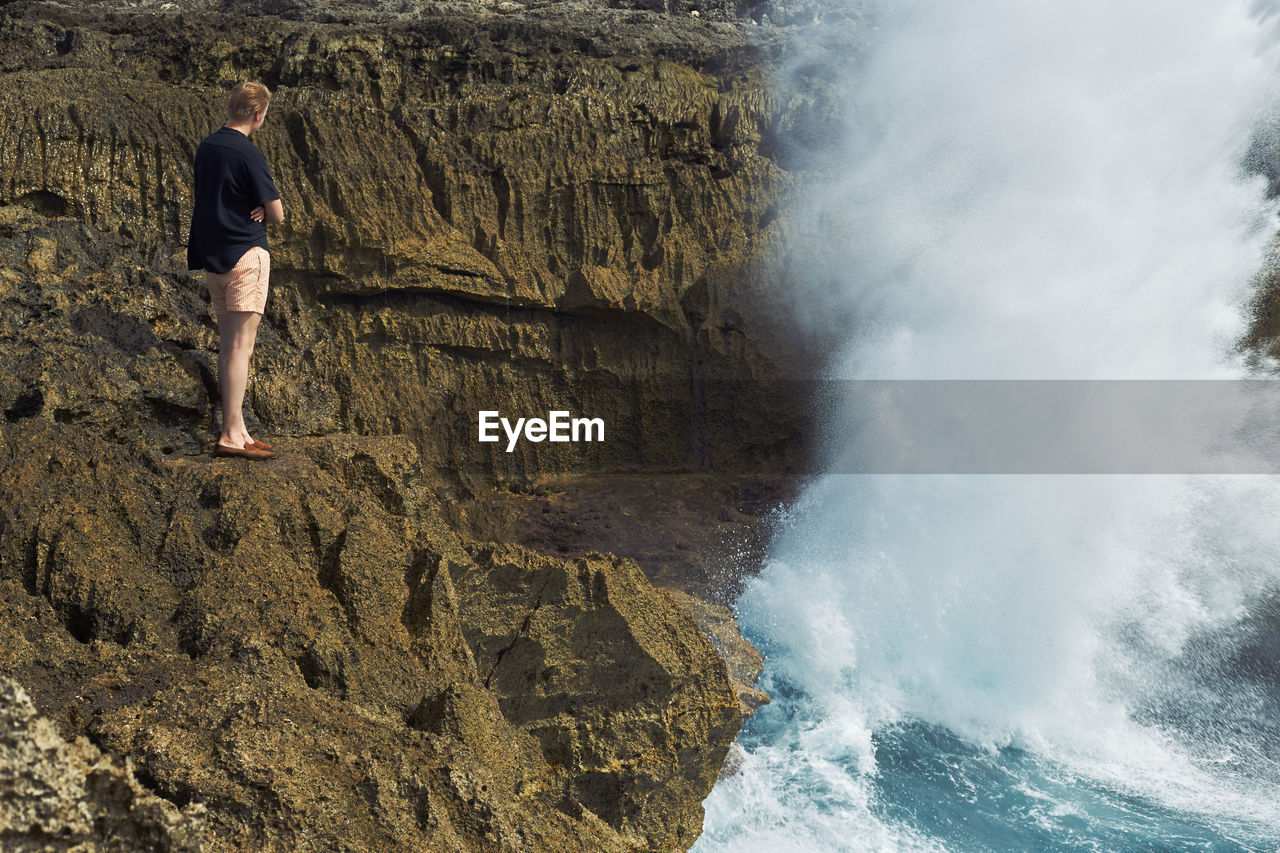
pixel 244 286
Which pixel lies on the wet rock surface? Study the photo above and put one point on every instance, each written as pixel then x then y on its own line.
pixel 699 532
pixel 352 647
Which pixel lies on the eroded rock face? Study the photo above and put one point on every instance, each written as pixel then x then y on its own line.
pixel 483 211
pixel 744 660
pixel 56 795
pixel 508 214
pixel 306 649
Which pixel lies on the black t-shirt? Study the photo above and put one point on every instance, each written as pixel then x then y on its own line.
pixel 232 178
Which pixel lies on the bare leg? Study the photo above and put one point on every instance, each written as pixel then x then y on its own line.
pixel 237 331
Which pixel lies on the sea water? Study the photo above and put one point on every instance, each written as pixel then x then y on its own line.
pixel 1017 189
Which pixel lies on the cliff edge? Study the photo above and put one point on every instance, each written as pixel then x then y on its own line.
pixel 486 207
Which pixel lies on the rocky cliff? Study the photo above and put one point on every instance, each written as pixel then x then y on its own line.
pixel 309 652
pixel 519 209
pixel 481 213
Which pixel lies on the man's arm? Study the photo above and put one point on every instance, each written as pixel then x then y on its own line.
pixel 260 185
pixel 272 211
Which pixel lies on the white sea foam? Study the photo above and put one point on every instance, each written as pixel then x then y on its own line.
pixel 1024 190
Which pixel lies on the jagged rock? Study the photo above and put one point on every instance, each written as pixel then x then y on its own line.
pixel 552 624
pixel 306 648
pixel 60 796
pixel 744 660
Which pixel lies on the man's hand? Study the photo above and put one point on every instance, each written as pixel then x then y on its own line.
pixel 272 211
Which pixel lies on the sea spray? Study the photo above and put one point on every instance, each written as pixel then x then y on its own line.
pixel 1033 191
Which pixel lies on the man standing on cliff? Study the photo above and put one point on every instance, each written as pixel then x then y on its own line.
pixel 234 194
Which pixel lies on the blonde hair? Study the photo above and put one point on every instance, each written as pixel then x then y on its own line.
pixel 246 99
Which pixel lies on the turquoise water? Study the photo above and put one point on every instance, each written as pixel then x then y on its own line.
pixel 1195 768
pixel 946 793
pixel 1009 799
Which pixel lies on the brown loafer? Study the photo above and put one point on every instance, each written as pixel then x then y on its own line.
pixel 248 452
pixel 260 444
